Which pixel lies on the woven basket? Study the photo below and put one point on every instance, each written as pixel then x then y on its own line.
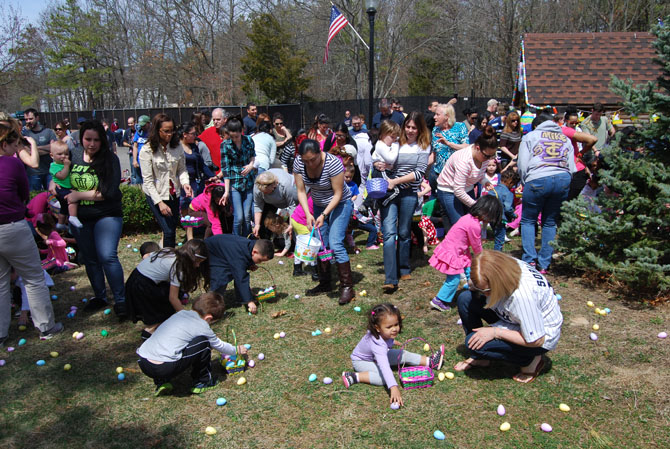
pixel 234 364
pixel 376 187
pixel 324 255
pixel 415 376
pixel 270 292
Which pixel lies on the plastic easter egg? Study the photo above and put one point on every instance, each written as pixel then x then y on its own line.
pixel 79 336
pixel 179 244
pixel 70 315
pixel 121 376
pixel 501 410
pixel 607 310
pixel 40 363
pixel 546 427
pixel 328 330
pixel 129 245
pixel 597 310
pixel 282 334
pixel 558 297
pixel 135 250
pixel 297 296
pixel 67 367
pixel 10 348
pixel 596 327
pixel 247 346
pixel 440 377
pixel 602 312
pixel 22 328
pixel 53 354
pixel 459 322
pixel 281 262
pixel 2 362
pixel 313 334
pixel 107 311
pixel 261 356
pixel 363 293
pixel 251 364
pixel 564 407
pixel 426 347
pixel 593 336
pixel 589 303
pixel 221 401
pixel 395 406
pixel 317 332
pixel 73 288
pixel 84 300
pixel 312 377
pixel 54 297
pixel 73 308
pixel 662 335
pixel 276 336
pixel 357 309
pixel 449 375
pixel 104 333
pixel 74 334
pixel 359 266
pixel 504 427
pixel 22 342
pixel 327 380
pixel 210 430
pixel 438 435
pixel 119 369
pixel 241 381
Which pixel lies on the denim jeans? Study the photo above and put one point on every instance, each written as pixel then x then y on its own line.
pixel 242 201
pixel 334 228
pixel 397 221
pixel 499 237
pixel 452 207
pixel 471 310
pixel 168 224
pixel 371 229
pixel 98 242
pixel 135 173
pixel 545 196
pixel 39 182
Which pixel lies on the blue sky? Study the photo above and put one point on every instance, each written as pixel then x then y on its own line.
pixel 30 9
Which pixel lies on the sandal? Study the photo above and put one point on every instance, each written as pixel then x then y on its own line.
pixel 526 378
pixel 470 363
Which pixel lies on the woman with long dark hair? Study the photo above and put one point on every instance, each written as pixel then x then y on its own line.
pixel 164 173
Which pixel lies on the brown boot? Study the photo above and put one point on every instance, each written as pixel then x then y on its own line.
pixel 324 285
pixel 346 283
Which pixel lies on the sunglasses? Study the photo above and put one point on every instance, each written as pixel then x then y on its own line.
pixel 474 287
pixel 58 129
pixel 488 156
pixel 279 123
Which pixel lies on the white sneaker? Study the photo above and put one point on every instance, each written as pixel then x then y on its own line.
pixel 514 233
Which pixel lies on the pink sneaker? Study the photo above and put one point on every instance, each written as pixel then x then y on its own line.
pixel 372 247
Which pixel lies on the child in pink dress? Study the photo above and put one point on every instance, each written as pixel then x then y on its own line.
pixel 56 255
pixel 452 257
pixel 209 202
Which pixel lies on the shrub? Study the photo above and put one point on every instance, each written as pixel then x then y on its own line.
pixel 137 216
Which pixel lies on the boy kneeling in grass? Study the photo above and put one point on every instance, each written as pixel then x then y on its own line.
pixel 185 339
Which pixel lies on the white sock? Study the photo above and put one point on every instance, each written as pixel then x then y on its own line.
pixel 74 221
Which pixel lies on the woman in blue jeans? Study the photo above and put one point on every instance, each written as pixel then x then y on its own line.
pixel 521 308
pixel 95 175
pixel 546 164
pixel 323 173
pixel 237 169
pixel 397 212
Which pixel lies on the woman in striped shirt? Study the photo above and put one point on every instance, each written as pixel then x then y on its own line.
pixel 521 308
pixel 462 172
pixel 323 173
pixel 397 213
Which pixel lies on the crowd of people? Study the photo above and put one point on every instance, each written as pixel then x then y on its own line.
pixel 238 184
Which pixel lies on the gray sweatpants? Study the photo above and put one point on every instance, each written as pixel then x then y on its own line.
pixel 375 373
pixel 18 250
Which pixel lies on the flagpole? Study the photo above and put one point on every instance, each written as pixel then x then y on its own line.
pixel 354 30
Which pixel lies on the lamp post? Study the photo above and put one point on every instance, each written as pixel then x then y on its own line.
pixel 371 9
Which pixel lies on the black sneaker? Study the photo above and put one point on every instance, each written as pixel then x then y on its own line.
pixel 56 329
pixel 201 387
pixel 164 388
pixel 121 310
pixel 95 304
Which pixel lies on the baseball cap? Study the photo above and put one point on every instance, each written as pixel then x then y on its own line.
pixel 143 120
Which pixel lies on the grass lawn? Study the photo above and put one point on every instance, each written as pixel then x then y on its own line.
pixel 617 387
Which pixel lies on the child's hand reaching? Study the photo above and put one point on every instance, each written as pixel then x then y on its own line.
pixel 242 350
pixel 395 395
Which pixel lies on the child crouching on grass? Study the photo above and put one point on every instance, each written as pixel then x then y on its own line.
pixel 186 340
pixel 372 358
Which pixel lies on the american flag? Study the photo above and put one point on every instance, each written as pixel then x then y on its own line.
pixel 337 22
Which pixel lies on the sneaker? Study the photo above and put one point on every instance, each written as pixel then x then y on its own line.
pixel 95 304
pixel 542 271
pixel 514 232
pixel 201 387
pixel 349 378
pixel 439 305
pixel 56 329
pixel 372 247
pixel 435 360
pixel 507 239
pixel 121 310
pixel 162 389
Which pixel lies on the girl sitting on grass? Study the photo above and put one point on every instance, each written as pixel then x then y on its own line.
pixel 152 290
pixel 372 358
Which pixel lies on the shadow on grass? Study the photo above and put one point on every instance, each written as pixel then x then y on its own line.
pixel 497 370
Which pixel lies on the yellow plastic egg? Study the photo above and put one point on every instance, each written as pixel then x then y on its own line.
pixel 363 293
pixel 22 328
pixel 67 367
pixel 564 407
pixel 449 375
pixel 602 312
pixel 210 431
pixel 426 347
pixel 53 354
pixel 596 327
pixel 359 266
pixel 328 330
pixel 589 303
pixel 440 377
pixel 75 334
pixel 241 381
pixel 119 370
pixel 276 336
pixel 504 427
pixel 597 310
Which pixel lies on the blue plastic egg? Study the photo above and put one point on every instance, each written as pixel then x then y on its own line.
pixel 221 401
pixel 54 297
pixel 438 435
pixel 357 309
pixel 40 363
pixel 312 377
pixel 135 250
pixel 107 311
pixel 121 376
pixel 607 310
pixel 558 297
pixel 22 342
pixel 247 346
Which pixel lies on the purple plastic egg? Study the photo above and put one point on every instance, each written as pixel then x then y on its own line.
pixel 10 349
pixel 73 288
pixel 261 356
pixel 546 427
pixel 662 335
pixel 593 336
pixel 251 364
pixel 395 406
pixel 2 362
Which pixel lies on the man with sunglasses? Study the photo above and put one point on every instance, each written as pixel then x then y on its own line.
pixel 39 177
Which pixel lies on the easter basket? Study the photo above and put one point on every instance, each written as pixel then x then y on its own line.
pixel 192 222
pixel 376 187
pixel 270 292
pixel 324 255
pixel 415 376
pixel 234 364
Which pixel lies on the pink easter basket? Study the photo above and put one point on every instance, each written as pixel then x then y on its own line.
pixel 415 376
pixel 324 255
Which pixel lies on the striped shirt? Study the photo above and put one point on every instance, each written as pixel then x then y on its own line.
pixel 531 309
pixel 460 175
pixel 411 159
pixel 321 187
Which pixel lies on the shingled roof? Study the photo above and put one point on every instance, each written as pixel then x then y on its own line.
pixel 575 68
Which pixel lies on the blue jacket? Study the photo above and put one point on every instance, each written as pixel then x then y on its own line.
pixel 229 260
pixel 546 151
pixel 506 197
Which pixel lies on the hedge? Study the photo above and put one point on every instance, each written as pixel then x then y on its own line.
pixel 137 216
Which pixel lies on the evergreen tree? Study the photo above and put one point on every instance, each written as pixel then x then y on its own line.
pixel 626 233
pixel 273 62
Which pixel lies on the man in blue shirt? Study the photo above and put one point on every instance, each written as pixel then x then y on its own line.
pixel 140 138
pixel 250 119
pixel 386 113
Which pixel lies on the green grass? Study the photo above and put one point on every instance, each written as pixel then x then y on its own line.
pixel 616 387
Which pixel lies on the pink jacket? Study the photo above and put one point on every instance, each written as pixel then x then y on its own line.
pixel 453 254
pixel 201 203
